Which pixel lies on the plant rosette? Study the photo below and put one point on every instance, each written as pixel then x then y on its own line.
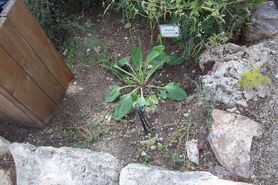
pixel 136 73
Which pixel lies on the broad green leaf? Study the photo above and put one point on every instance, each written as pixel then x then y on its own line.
pixel 137 58
pixel 155 52
pixel 113 94
pixel 175 92
pixel 173 60
pixel 124 107
pixel 163 94
pixel 159 61
pixel 153 100
pixel 122 62
pixel 141 102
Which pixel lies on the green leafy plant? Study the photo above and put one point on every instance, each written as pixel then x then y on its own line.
pixel 136 73
pixel 202 22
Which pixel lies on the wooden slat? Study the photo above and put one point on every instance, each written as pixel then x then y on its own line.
pixel 36 122
pixel 22 53
pixel 7 108
pixel 19 84
pixel 3 117
pixel 35 36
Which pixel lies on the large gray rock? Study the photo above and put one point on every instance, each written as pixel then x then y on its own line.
pixel 63 166
pixel 231 139
pixel 137 174
pixel 230 61
pixel 264 23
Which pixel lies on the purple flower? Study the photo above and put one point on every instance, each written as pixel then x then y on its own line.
pixel 204 133
pixel 210 72
pixel 200 146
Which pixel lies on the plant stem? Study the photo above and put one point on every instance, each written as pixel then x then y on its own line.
pixel 142 95
pixel 128 86
pixel 156 87
pixel 129 74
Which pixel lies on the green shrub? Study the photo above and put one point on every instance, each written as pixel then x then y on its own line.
pixel 202 22
pixel 49 16
pixel 60 19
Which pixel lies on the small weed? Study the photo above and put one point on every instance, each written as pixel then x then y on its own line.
pixel 85 48
pixel 177 158
pixel 136 72
pixel 199 93
pixel 146 148
pixel 90 132
pixel 89 111
pixel 181 135
pixel 69 134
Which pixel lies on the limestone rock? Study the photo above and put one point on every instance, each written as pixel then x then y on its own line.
pixel 231 139
pixel 4 146
pixel 230 61
pixel 221 172
pixel 7 172
pixel 264 23
pixel 192 151
pixel 63 166
pixel 5 177
pixel 137 174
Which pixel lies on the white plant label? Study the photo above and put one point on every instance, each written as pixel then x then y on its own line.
pixel 169 30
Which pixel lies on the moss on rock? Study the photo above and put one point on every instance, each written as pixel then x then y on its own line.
pixel 252 79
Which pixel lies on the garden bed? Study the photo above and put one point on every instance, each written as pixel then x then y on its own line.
pixel 85 120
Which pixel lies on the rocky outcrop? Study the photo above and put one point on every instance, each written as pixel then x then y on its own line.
pixel 230 62
pixel 69 166
pixel 136 174
pixel 264 23
pixel 65 166
pixel 231 139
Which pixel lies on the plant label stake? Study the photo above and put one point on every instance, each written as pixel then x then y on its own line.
pixel 145 124
pixel 169 30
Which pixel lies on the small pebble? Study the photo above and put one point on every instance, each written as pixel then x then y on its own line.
pixel 186 115
pixel 49 131
pixel 127 25
pixel 143 153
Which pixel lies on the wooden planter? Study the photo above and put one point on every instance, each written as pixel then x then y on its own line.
pixel 33 77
